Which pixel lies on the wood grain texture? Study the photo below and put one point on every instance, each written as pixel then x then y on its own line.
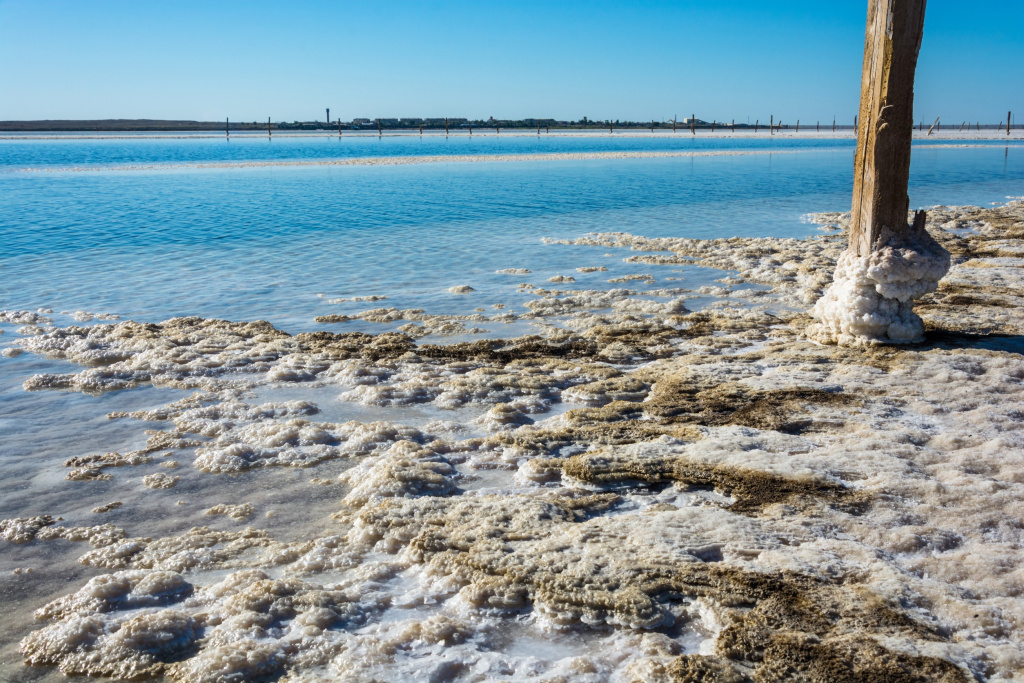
pixel 886 122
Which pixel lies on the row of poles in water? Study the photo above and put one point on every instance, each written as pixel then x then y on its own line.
pixel 773 127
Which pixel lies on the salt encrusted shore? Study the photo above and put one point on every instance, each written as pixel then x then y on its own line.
pixel 727 500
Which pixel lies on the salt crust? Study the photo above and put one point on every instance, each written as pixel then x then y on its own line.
pixel 872 297
pixel 800 505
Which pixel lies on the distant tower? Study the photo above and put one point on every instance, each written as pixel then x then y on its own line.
pixel 328 116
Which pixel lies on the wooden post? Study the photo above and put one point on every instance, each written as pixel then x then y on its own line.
pixel 888 262
pixel 1008 114
pixel 446 126
pixel 538 130
pixel 756 121
pixel 734 125
pixel 497 129
pixel 771 125
pixel 817 127
pixel 547 128
pixel 339 126
pixel 673 124
pixel 798 125
pixel 470 129
pixel 833 124
pixel 1007 125
pixel 611 127
pixel 712 125
pixel 328 119
pixel 693 124
pixel 882 163
pixel 227 134
pixel 933 125
pixel 268 126
pixel 379 131
pixel 962 127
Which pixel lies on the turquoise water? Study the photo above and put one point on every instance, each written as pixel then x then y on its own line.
pixel 246 243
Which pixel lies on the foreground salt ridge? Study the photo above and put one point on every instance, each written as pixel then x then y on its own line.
pixel 784 506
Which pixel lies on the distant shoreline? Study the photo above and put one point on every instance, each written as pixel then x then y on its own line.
pixel 789 134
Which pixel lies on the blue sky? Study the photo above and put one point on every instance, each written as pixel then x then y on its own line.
pixel 288 59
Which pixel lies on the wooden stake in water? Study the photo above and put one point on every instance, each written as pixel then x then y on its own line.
pixel 756 121
pixel 798 125
pixel 933 125
pixel 226 133
pixel 734 125
pixel 446 126
pixel 380 132
pixel 882 161
pixel 817 127
pixel 339 126
pixel 712 125
pixel 611 127
pixel 547 128
pixel 470 129
pixel 268 126
pixel 771 125
pixel 421 129
pixel 673 124
pixel 962 127
pixel 833 124
pixel 652 125
pixel 693 124
pixel 1008 115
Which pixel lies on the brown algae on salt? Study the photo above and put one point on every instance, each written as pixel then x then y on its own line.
pixel 804 512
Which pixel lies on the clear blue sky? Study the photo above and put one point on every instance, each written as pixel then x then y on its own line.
pixel 289 59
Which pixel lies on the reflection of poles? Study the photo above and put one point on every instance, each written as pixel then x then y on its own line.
pixel 888 262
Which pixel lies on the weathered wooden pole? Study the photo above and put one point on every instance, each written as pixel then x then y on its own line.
pixel 547 128
pixel 421 129
pixel 833 124
pixel 962 127
pixel 712 125
pixel 380 132
pixel 339 126
pixel 930 129
pixel 673 124
pixel 888 262
pixel 734 125
pixel 1008 114
pixel 798 125
pixel 756 121
pixel 446 126
pixel 226 132
pixel 611 127
pixel 817 127
pixel 693 124
pixel 652 125
pixel 268 126
pixel 771 125
pixel 470 129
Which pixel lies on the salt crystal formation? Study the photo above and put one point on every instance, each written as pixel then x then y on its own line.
pixel 872 297
pixel 668 485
